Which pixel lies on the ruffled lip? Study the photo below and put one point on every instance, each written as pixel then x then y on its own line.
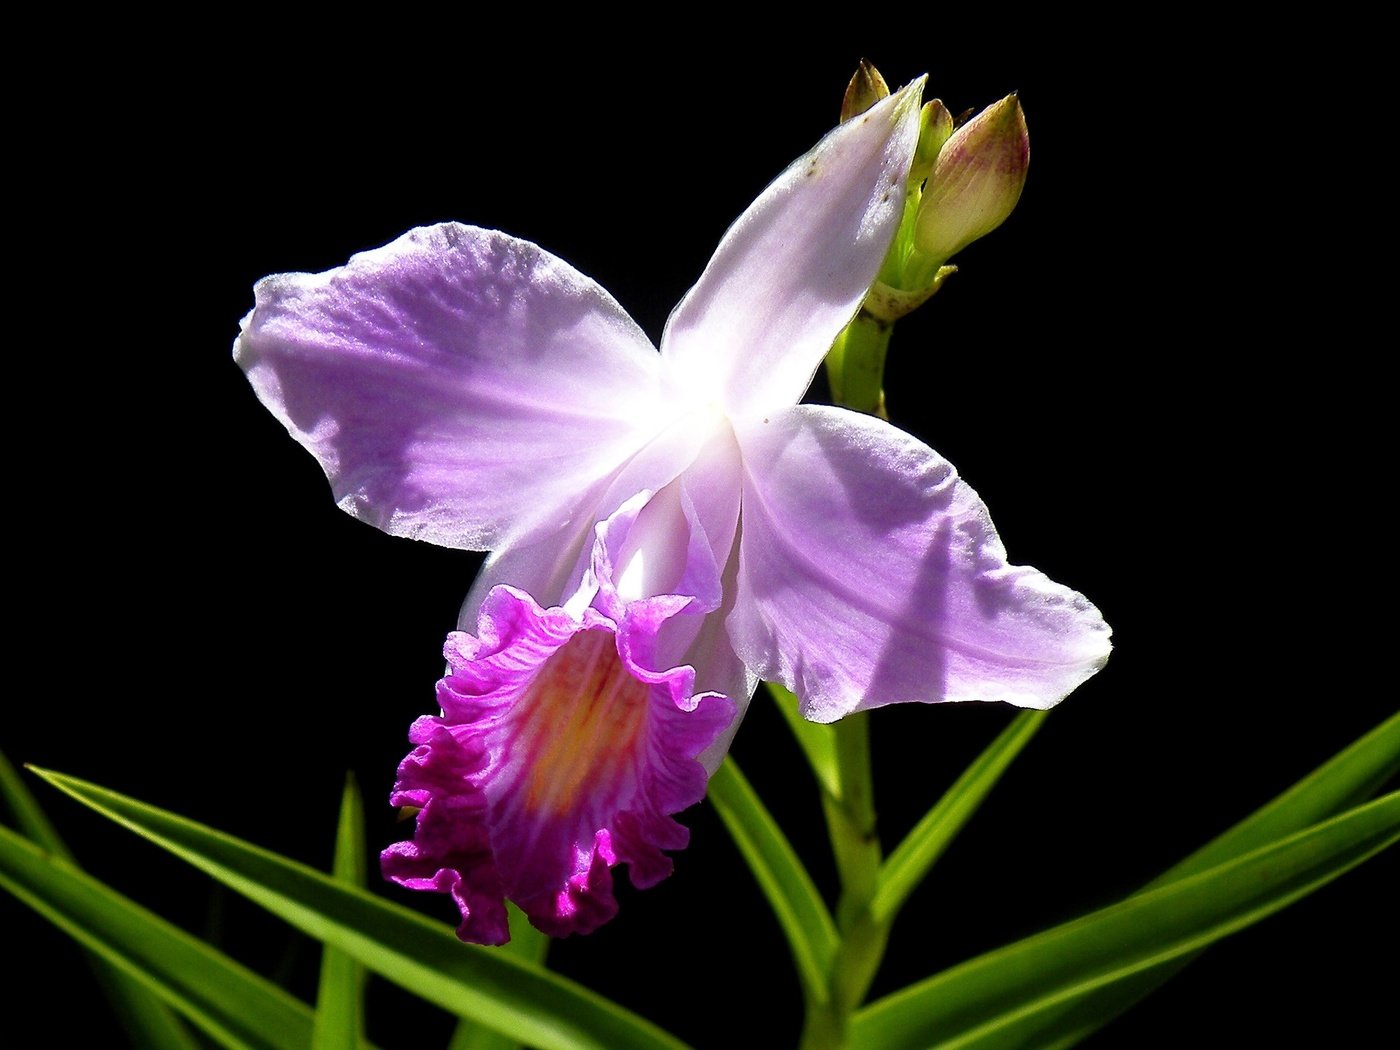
pixel 559 754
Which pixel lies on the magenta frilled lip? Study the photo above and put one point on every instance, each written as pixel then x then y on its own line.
pixel 560 752
pixel 467 388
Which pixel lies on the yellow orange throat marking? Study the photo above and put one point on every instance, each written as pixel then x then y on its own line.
pixel 581 716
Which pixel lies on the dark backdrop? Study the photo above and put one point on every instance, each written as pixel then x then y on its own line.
pixel 210 634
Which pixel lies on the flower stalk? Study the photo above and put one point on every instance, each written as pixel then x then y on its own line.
pixel 856 367
pixel 961 186
pixel 855 842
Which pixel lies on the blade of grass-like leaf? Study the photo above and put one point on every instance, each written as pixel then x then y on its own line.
pixel 340 1013
pixel 232 1004
pixel 910 862
pixel 811 934
pixel 818 742
pixel 524 1001
pixel 30 819
pixel 959 1007
pixel 527 944
pixel 143 1016
pixel 1348 778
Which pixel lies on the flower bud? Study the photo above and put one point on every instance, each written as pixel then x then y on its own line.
pixel 976 181
pixel 935 126
pixel 866 88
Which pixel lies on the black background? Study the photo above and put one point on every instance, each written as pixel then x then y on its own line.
pixel 1140 373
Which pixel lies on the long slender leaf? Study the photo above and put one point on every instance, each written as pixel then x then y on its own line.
pixel 145 1018
pixel 509 996
pixel 793 897
pixel 818 742
pixel 340 1012
pixel 1348 778
pixel 912 859
pixel 230 1003
pixel 527 944
pixel 30 819
pixel 957 1008
pixel 1345 780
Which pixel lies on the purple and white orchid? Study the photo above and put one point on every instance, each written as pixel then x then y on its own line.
pixel 668 527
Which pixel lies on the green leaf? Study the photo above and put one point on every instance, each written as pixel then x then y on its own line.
pixel 527 944
pixel 515 998
pixel 31 820
pixel 143 1016
pixel 794 899
pixel 232 1004
pixel 340 1012
pixel 961 1007
pixel 818 742
pixel 1349 777
pixel 911 861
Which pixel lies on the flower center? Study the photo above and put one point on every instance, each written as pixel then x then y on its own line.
pixel 582 714
pixel 653 557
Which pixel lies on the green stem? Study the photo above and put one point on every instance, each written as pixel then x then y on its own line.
pixel 836 368
pixel 824 1028
pixel 856 845
pixel 851 819
pixel 856 370
pixel 856 367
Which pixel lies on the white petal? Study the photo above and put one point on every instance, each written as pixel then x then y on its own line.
pixel 870 573
pixel 453 382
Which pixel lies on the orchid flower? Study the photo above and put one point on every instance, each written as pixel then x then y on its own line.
pixel 668 527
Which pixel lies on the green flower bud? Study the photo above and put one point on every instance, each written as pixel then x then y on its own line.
pixel 866 88
pixel 975 183
pixel 935 126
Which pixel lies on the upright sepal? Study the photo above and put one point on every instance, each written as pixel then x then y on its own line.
pixel 793 269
